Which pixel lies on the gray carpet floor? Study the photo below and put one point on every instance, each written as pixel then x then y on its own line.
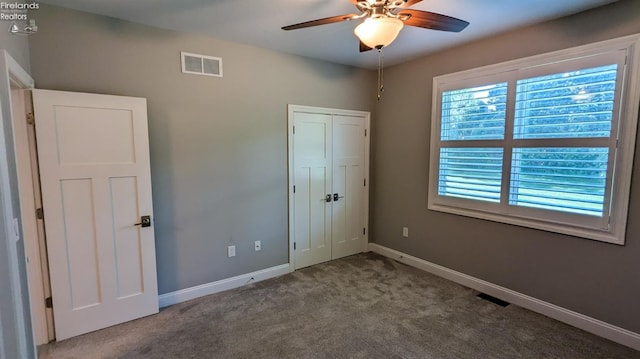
pixel 364 306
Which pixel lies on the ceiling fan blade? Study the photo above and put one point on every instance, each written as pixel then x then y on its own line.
pixel 433 21
pixel 364 47
pixel 410 3
pixel 327 20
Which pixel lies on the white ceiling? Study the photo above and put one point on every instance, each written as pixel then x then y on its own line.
pixel 258 23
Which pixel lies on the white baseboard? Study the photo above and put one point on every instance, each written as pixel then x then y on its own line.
pixel 591 325
pixel 183 295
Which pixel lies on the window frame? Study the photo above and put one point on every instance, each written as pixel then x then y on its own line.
pixel 610 228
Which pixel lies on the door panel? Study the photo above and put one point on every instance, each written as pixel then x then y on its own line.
pixel 348 182
pixel 80 242
pixel 93 152
pixel 123 195
pixel 312 173
pixel 93 130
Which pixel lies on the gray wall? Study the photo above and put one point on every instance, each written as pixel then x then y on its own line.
pixel 18 48
pixel 218 145
pixel 16 45
pixel 597 279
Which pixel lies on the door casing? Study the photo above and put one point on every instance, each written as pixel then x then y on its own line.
pixel 13 76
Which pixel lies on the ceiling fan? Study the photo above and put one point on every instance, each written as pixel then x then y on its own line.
pixel 384 19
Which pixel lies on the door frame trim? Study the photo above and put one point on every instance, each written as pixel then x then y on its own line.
pixel 12 73
pixel 25 149
pixel 291 109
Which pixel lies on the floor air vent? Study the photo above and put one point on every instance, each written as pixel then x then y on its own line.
pixel 201 64
pixel 493 300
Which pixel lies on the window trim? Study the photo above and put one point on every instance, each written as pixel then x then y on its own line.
pixel 565 223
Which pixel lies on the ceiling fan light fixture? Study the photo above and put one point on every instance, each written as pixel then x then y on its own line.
pixel 378 31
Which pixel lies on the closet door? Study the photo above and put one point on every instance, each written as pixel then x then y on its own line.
pixel 347 234
pixel 328 194
pixel 312 180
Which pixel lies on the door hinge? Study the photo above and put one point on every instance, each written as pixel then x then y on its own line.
pixel 365 132
pixel 39 213
pixel 294 189
pixel 294 246
pixel 48 302
pixel 365 182
pixel 294 130
pixel 30 118
pixel 364 231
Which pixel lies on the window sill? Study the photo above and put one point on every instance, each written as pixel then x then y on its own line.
pixel 598 235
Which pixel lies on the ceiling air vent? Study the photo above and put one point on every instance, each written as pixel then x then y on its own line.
pixel 201 64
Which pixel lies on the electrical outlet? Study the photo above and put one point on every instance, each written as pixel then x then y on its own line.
pixel 405 232
pixel 231 251
pixel 258 246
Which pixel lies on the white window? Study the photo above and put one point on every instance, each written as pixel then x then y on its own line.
pixel 545 142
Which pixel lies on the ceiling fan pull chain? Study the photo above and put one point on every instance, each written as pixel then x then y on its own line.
pixel 380 73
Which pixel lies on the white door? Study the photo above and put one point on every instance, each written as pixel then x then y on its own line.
pixel 328 202
pixel 93 153
pixel 347 217
pixel 312 173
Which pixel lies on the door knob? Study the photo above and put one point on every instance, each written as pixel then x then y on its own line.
pixel 327 198
pixel 336 197
pixel 145 221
